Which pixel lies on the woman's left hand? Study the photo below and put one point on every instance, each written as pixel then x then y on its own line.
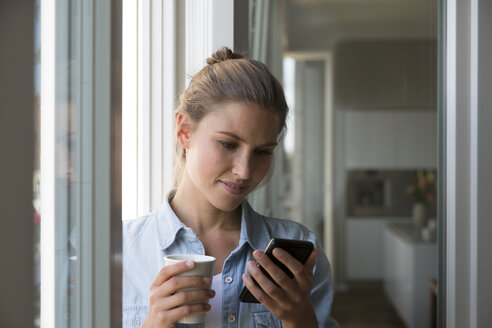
pixel 290 300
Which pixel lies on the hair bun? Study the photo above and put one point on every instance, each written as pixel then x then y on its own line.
pixel 223 54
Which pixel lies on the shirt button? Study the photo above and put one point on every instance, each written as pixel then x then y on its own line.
pixel 231 318
pixel 228 280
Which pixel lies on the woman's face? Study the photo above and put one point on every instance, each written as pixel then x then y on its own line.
pixel 229 153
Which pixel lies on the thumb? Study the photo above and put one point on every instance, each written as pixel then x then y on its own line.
pixel 311 261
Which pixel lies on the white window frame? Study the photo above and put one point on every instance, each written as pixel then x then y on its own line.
pixel 329 223
pixel 466 161
pixel 209 27
pixel 47 184
pixel 152 79
pixel 149 96
pixel 98 217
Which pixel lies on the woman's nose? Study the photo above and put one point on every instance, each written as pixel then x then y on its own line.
pixel 242 167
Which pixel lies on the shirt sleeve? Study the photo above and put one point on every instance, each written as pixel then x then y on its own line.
pixel 322 292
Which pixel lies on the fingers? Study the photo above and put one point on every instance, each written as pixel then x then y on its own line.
pixel 269 293
pixel 183 297
pixel 161 315
pixel 257 291
pixel 173 284
pixel 277 274
pixel 185 310
pixel 282 296
pixel 173 296
pixel 311 261
pixel 172 270
pixel 303 273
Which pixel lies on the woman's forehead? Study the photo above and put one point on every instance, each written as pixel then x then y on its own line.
pixel 238 111
pixel 244 120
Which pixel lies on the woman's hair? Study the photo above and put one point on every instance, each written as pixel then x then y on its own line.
pixel 228 77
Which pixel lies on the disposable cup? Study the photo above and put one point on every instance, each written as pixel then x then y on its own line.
pixel 204 267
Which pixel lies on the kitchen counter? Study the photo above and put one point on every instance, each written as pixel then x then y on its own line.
pixel 410 263
pixel 409 233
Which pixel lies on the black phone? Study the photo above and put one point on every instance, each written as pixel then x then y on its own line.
pixel 299 249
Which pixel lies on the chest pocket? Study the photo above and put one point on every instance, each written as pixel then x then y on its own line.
pixel 266 319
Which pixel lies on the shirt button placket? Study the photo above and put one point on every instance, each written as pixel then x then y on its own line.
pixel 231 318
pixel 229 305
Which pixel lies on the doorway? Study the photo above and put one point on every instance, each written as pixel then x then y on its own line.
pixel 361 152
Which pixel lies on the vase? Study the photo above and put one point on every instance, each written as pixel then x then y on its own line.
pixel 419 214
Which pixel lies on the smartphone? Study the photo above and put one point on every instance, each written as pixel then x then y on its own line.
pixel 299 249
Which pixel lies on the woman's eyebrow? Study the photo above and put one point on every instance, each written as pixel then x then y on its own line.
pixel 232 135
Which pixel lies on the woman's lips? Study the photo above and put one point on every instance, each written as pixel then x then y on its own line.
pixel 234 188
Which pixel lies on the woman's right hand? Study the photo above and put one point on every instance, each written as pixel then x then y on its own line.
pixel 166 305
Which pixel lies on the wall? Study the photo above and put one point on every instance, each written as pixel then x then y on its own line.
pixel 386 73
pixel 484 174
pixel 16 164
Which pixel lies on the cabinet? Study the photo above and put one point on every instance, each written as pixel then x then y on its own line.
pixel 390 138
pixel 385 74
pixel 364 247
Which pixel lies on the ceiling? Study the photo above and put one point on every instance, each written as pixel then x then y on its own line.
pixel 319 24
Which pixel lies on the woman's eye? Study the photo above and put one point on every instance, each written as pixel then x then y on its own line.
pixel 264 152
pixel 227 145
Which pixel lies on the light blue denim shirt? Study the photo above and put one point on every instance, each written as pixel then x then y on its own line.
pixel 148 239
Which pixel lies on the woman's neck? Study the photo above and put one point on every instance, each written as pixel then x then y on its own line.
pixel 196 212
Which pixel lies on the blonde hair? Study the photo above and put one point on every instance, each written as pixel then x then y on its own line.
pixel 228 77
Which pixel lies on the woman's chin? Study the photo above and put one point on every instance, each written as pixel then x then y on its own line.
pixel 227 205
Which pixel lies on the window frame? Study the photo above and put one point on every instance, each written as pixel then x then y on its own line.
pixel 98 208
pixel 157 70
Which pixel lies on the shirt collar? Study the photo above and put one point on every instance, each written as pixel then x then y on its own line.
pixel 253 228
pixel 167 225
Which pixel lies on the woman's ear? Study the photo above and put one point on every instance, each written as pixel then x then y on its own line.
pixel 184 129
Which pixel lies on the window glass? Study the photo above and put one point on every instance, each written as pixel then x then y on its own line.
pixel 62 62
pixel 360 165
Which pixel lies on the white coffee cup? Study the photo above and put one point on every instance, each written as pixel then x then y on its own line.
pixel 204 266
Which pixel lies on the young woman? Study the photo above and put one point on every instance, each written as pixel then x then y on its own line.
pixel 227 127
